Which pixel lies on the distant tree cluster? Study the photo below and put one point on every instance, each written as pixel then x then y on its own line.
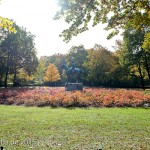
pixel 124 67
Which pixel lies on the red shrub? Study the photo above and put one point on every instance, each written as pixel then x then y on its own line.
pixel 96 97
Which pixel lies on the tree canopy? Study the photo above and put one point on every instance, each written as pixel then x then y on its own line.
pixel 51 74
pixel 17 52
pixel 116 13
pixel 101 64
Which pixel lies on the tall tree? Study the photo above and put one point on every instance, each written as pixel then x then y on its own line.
pixel 116 13
pixel 101 63
pixel 79 54
pixel 125 75
pixel 40 71
pixel 51 74
pixel 19 53
pixel 133 52
pixel 2 66
pixel 57 60
pixel 146 43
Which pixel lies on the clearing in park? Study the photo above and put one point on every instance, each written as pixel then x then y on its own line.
pixel 74 128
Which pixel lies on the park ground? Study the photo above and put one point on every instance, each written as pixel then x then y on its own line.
pixel 24 128
pixel 96 118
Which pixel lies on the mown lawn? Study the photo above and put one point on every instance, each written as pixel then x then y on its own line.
pixel 24 128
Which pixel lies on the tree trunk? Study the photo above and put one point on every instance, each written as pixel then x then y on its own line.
pixel 141 76
pixel 14 80
pixel 7 70
pixel 6 77
pixel 147 67
pixel 0 81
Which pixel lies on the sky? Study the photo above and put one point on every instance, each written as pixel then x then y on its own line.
pixel 37 17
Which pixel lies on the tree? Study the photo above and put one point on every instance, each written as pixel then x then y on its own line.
pixel 57 60
pixel 116 13
pixel 146 43
pixel 51 74
pixel 19 53
pixel 101 64
pixel 134 54
pixel 2 66
pixel 122 75
pixel 24 77
pixel 40 71
pixel 79 54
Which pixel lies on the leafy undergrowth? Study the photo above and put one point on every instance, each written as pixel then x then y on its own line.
pixel 24 128
pixel 89 97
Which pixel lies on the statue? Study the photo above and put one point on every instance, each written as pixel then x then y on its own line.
pixel 71 72
pixel 72 63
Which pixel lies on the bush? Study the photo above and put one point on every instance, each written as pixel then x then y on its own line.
pixel 57 97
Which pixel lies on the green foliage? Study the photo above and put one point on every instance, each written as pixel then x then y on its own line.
pixel 146 43
pixel 133 52
pixel 79 54
pixel 24 78
pixel 18 52
pixel 101 64
pixel 40 71
pixel 115 13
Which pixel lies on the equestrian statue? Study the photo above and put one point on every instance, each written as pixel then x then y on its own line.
pixel 71 71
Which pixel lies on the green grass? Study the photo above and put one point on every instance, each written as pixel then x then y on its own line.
pixel 147 91
pixel 24 128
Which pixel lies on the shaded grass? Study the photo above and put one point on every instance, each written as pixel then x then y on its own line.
pixel 93 128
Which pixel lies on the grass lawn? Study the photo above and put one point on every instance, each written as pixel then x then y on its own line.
pixel 24 128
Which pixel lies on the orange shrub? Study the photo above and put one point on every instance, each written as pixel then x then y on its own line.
pixel 55 97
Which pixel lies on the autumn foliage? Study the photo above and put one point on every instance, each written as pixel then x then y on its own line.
pixel 51 74
pixel 7 24
pixel 57 97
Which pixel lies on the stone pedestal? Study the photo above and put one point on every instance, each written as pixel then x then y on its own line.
pixel 73 86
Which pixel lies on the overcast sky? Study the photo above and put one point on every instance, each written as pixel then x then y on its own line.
pixel 37 17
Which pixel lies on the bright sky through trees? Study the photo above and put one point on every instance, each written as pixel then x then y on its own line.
pixel 37 17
